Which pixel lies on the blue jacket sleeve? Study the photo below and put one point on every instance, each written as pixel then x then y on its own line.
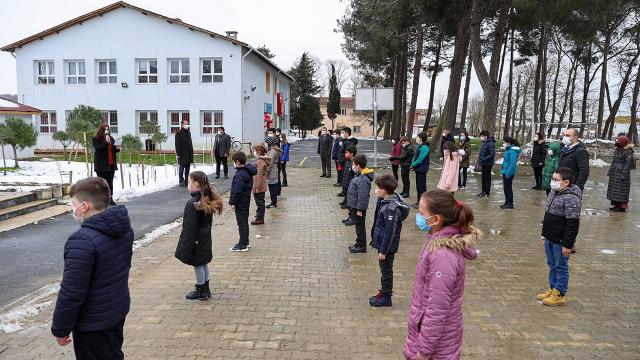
pixel 391 219
pixel 236 188
pixel 424 151
pixel 79 257
pixel 490 151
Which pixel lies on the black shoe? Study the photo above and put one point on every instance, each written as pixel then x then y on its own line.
pixel 343 206
pixel 199 293
pixel 482 194
pixel 206 287
pixel 226 176
pixel 506 206
pixel 357 249
pixel 337 184
pixel 284 184
pixel 349 222
pixel 345 220
pixel 340 194
pixel 217 176
pixel 271 206
pixel 239 248
pixel 323 175
pixel 328 176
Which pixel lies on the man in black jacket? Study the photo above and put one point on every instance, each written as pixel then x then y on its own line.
pixel 325 146
pixel 184 152
pixel 221 148
pixel 574 155
pixel 94 300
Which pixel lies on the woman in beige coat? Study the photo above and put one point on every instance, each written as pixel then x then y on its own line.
pixel 260 182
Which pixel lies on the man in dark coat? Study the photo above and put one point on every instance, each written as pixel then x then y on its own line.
pixel 184 152
pixel 221 148
pixel 93 301
pixel 574 155
pixel 325 146
pixel 486 158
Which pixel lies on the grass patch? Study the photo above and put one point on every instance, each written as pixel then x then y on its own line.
pixel 8 168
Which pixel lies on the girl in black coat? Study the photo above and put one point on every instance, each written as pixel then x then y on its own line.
pixel 194 246
pixel 105 162
pixel 538 157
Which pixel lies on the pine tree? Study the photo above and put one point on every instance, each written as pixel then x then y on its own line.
pixel 333 105
pixel 305 107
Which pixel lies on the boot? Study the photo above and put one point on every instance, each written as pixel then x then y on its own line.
pixel 206 287
pixel 556 299
pixel 544 295
pixel 257 222
pixel 199 293
pixel 380 300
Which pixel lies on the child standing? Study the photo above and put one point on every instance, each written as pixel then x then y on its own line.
pixel 435 326
pixel 285 158
pixel 405 158
pixel 464 148
pixel 420 165
pixel 240 198
pixel 559 230
pixel 509 166
pixel 273 177
pixel 391 211
pixel 347 176
pixel 358 201
pixel 194 246
pixel 450 168
pixel 550 165
pixel 395 153
pixel 260 182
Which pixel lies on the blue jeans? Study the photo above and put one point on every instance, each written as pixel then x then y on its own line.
pixel 558 266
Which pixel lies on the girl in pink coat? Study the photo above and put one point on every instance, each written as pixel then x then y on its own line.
pixel 450 168
pixel 435 315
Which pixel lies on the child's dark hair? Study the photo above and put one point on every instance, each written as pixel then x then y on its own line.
pixel 454 212
pixel 566 174
pixel 511 141
pixel 540 136
pixel 466 136
pixel 360 160
pixel 451 147
pixel 211 201
pixel 352 149
pixel 347 130
pixel 484 133
pixel 239 157
pixel 260 149
pixel 387 183
pixel 405 139
pixel 273 130
pixel 94 190
pixel 424 136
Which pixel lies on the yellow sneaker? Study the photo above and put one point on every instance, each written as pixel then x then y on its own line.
pixel 544 295
pixel 556 299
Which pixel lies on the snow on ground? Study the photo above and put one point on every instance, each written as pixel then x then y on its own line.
pixel 47 171
pixel 598 163
pixel 155 234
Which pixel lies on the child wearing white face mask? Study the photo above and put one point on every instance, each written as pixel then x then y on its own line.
pixel 553 152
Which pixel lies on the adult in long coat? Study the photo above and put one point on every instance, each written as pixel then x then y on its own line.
pixel 538 157
pixel 184 152
pixel 105 160
pixel 325 147
pixel 221 148
pixel 620 175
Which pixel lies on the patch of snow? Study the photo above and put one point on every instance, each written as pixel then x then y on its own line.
pixel 155 234
pixel 12 320
pixel 598 163
pixel 495 232
pixel 608 252
pixel 592 141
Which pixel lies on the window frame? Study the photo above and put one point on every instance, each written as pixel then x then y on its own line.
pixel 181 116
pixel 111 119
pixel 267 80
pixel 77 76
pixel 51 123
pixel 148 73
pixel 50 72
pixel 357 129
pixel 148 113
pixel 211 129
pixel 343 111
pixel 213 74
pixel 180 74
pixel 108 75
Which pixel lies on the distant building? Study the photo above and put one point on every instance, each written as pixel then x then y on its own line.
pixel 359 122
pixel 28 114
pixel 134 65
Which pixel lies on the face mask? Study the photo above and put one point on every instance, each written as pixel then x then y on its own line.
pixel 566 140
pixel 278 133
pixel 186 126
pixel 535 138
pixel 219 132
pixel 355 169
pixel 405 144
pixel 482 138
pixel 556 185
pixel 421 222
pixel 462 138
pixel 270 135
pixel 106 132
pixel 505 145
pixel 335 136
pixel 77 218
pixel 550 152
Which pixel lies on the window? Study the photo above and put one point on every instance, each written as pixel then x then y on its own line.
pixel 45 72
pixel 175 117
pixel 179 71
pixel 211 121
pixel 144 116
pixel 48 122
pixel 343 111
pixel 147 70
pixel 357 129
pixel 267 78
pixel 110 117
pixel 75 72
pixel 107 72
pixel 211 70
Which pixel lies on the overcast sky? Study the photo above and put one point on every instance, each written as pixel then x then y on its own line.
pixel 287 27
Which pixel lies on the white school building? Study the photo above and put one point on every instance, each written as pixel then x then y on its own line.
pixel 133 64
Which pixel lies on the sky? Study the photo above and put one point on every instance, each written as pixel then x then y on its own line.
pixel 287 27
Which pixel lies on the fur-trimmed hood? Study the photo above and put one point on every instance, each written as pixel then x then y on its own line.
pixel 266 158
pixel 451 238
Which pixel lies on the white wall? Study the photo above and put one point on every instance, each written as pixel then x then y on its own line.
pixel 8 150
pixel 125 35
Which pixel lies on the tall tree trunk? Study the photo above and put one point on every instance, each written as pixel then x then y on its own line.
pixel 613 110
pixel 432 90
pixel 405 83
pixel 417 66
pixel 568 96
pixel 489 79
pixel 460 48
pixel 633 126
pixel 555 86
pixel 15 155
pixel 536 83
pixel 397 90
pixel 603 81
pixel 515 107
pixel 543 85
pixel 572 95
pixel 507 123
pixel 465 97
pixel 585 92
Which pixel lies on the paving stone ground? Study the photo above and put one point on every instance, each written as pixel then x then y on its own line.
pixel 299 294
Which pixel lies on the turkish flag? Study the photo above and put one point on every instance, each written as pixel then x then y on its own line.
pixel 280 104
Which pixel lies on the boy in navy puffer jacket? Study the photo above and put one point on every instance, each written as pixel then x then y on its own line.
pixel 93 301
pixel 391 211
pixel 240 198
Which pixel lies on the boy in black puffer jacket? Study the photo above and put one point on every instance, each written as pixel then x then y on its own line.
pixel 347 175
pixel 240 198
pixel 391 211
pixel 94 300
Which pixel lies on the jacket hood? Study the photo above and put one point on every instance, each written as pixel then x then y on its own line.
pixel 451 238
pixel 251 169
pixel 267 159
pixel 353 140
pixel 113 222
pixel 368 173
pixel 571 190
pixel 515 148
pixel 491 139
pixel 396 201
pixel 555 147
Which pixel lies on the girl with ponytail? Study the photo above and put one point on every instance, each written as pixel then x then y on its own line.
pixel 194 246
pixel 435 315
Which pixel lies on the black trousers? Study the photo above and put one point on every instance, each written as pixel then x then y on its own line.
pixel 394 170
pixel 421 184
pixel 259 199
pixel 537 173
pixel 361 232
pixel 339 172
pixel 386 272
pixel 462 180
pixel 283 167
pixel 486 179
pixel 98 345
pixel 327 165
pixel 279 182
pixel 406 182
pixel 508 189
pixel 225 165
pixel 273 193
pixel 108 176
pixel 242 220
pixel 183 173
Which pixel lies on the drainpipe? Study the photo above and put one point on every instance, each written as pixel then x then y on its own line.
pixel 242 93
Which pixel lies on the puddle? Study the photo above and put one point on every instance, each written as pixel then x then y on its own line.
pixel 608 252
pixel 595 212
